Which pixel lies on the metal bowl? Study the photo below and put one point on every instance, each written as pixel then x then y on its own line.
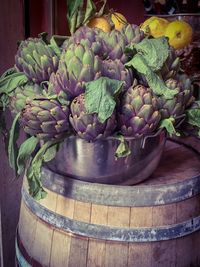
pixel 96 162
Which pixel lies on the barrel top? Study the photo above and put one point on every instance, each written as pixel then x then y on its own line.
pixel 176 178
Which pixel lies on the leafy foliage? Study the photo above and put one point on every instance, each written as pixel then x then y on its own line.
pixel 99 97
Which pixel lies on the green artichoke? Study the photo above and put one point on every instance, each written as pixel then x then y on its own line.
pixel 19 96
pixel 36 59
pixel 45 118
pixel 132 34
pixel 115 69
pixel 88 37
pixel 177 105
pixel 87 126
pixel 171 66
pixel 78 65
pixel 138 112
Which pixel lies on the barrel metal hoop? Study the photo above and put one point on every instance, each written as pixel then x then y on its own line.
pixel 121 196
pixel 22 262
pixel 143 234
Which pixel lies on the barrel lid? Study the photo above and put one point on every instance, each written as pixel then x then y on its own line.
pixel 176 178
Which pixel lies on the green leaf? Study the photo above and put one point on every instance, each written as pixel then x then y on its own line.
pixel 168 124
pixel 123 149
pixel 11 81
pixel 99 97
pixel 72 6
pixel 25 151
pixel 50 153
pixel 157 85
pixel 34 171
pixel 90 11
pixel 53 45
pixel 154 51
pixel 12 144
pixel 193 115
pixel 8 72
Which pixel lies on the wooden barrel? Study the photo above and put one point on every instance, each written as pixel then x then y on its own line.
pixel 79 224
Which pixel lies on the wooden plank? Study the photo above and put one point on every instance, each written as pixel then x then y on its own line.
pixel 65 206
pixel 42 246
pixel 61 241
pixel 97 248
pixel 140 217
pixel 41 250
pixel 49 201
pixel 184 251
pixel 117 253
pixel 60 249
pixel 27 228
pixel 79 245
pixel 188 209
pixel 164 252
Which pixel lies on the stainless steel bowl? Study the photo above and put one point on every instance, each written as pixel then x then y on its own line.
pixel 96 162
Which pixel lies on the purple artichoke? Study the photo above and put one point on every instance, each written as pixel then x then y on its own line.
pixel 177 105
pixel 36 59
pixel 45 118
pixel 19 96
pixel 78 65
pixel 87 125
pixel 115 69
pixel 138 113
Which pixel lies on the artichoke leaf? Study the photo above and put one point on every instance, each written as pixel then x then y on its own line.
pixel 54 46
pixel 157 85
pixel 154 51
pixel 9 82
pixel 12 144
pixel 90 11
pixel 25 151
pixel 168 124
pixel 193 115
pixel 36 189
pixel 123 149
pixel 99 97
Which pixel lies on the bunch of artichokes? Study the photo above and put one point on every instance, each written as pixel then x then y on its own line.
pixel 53 100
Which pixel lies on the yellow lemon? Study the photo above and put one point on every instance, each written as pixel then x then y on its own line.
pixel 179 33
pixel 119 20
pixel 101 23
pixel 155 26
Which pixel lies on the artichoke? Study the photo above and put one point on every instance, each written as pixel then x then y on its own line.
pixel 90 38
pixel 45 118
pixel 78 65
pixel 116 44
pixel 36 59
pixel 132 34
pixel 87 126
pixel 177 105
pixel 19 96
pixel 138 112
pixel 171 66
pixel 114 69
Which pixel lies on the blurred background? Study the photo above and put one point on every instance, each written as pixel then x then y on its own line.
pixel 20 19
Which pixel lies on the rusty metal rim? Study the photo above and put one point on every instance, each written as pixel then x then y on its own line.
pixel 136 234
pixel 116 195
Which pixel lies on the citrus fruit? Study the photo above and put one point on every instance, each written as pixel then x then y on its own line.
pixel 119 20
pixel 179 33
pixel 155 26
pixel 101 23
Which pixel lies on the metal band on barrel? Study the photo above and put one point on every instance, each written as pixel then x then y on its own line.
pixel 121 196
pixel 145 234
